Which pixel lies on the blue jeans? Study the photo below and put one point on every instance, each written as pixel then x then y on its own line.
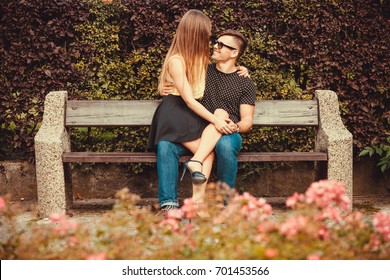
pixel 168 155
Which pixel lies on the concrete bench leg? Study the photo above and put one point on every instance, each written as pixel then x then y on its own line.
pixel 50 142
pixel 336 140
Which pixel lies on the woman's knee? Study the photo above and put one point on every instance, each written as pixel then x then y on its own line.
pixel 221 113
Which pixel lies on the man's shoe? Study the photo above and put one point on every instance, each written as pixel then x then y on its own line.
pixel 165 209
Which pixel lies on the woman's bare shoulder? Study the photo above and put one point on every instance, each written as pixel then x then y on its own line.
pixel 176 59
pixel 176 63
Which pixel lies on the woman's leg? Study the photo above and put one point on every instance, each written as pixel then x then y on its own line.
pixel 203 152
pixel 208 140
pixel 198 191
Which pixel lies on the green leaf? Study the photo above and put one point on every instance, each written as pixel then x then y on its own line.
pixel 379 151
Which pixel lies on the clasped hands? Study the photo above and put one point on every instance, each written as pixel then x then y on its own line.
pixel 225 126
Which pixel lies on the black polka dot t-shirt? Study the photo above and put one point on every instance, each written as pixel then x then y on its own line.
pixel 228 92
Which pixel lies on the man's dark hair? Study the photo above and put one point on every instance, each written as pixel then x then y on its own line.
pixel 239 38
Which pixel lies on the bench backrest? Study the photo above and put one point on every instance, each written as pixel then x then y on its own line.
pixel 91 113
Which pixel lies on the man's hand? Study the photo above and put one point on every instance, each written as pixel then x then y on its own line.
pixel 167 89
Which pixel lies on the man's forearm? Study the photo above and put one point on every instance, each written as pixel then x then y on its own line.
pixel 245 125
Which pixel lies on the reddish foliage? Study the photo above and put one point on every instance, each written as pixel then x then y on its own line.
pixel 337 45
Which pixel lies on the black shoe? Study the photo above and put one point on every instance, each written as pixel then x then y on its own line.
pixel 197 177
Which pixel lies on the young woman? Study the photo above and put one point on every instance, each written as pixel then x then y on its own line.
pixel 180 117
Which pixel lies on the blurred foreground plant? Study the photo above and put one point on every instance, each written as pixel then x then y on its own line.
pixel 318 226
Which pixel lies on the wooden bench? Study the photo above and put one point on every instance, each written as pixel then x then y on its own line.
pixel 53 152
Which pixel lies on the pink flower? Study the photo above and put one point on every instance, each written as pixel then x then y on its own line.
pixel 62 226
pixel 374 242
pixel 250 207
pixel 56 217
pixel 324 192
pixel 261 202
pixel 189 208
pixel 293 225
pixel 319 217
pixel 354 217
pixel 344 202
pixel 99 256
pixel 267 226
pixel 188 227
pixel 332 213
pixel 313 256
pixel 323 232
pixel 260 237
pixel 270 253
pixel 73 241
pixel 172 224
pixel 381 222
pixel 2 203
pixel 66 227
pixel 267 209
pixel 292 200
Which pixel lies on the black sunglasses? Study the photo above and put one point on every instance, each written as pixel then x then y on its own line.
pixel 221 45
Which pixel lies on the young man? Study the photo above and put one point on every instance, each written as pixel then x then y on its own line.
pixel 225 89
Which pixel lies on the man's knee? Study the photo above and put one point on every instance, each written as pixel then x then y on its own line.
pixel 228 146
pixel 166 149
pixel 223 147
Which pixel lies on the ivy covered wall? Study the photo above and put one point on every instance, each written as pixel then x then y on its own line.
pixel 103 49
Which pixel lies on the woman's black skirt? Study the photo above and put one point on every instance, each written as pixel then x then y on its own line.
pixel 173 121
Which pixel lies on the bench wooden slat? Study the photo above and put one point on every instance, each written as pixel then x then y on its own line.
pixel 121 157
pixel 110 112
pixel 86 113
pixel 286 113
pixel 110 157
pixel 282 156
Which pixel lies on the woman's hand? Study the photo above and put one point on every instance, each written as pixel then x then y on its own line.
pixel 243 71
pixel 232 126
pixel 223 126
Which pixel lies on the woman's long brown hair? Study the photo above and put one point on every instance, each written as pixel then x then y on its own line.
pixel 192 42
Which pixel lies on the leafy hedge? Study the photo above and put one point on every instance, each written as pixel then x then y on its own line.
pixel 98 49
pixel 38 47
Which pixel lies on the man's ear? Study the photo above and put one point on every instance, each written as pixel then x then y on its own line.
pixel 234 54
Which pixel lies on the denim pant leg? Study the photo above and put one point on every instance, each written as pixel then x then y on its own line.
pixel 168 155
pixel 227 150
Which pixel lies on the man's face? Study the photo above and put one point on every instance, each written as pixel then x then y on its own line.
pixel 224 48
